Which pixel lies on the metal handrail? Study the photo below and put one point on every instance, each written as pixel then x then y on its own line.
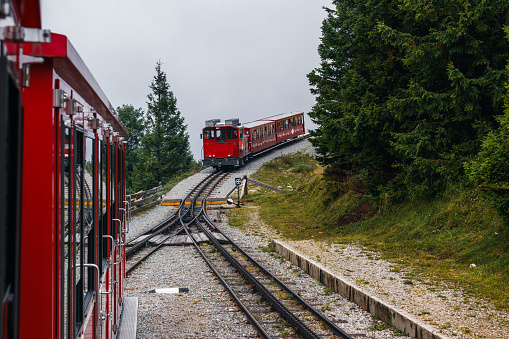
pixel 119 243
pixel 114 248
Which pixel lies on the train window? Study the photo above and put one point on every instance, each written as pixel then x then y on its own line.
pixel 220 135
pixel 77 231
pixel 232 134
pixel 65 226
pixel 88 190
pixel 10 199
pixel 113 169
pixel 208 134
pixel 102 244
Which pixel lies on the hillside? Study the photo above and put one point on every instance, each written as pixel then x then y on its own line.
pixel 455 239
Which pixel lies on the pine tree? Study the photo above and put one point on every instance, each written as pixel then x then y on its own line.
pixel 165 148
pixel 490 169
pixel 133 121
pixel 407 89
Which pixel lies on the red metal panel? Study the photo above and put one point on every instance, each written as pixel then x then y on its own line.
pixel 219 149
pixel 29 12
pixel 38 316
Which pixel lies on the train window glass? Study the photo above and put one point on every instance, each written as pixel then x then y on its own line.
pixel 88 218
pixel 208 134
pixel 104 203
pixel 232 134
pixel 77 217
pixel 113 191
pixel 220 135
pixel 65 253
pixel 10 198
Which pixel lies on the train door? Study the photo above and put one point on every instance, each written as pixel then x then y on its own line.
pixel 11 141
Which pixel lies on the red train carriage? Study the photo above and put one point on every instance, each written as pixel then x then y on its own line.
pixel 220 151
pixel 62 188
pixel 261 134
pixel 289 125
pixel 224 144
pixel 19 22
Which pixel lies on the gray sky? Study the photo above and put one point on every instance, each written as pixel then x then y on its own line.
pixel 244 59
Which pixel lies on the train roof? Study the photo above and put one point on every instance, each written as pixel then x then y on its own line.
pixel 73 70
pixel 257 123
pixel 271 118
pixel 277 117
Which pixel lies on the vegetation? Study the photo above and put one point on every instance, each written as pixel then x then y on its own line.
pixel 441 236
pixel 407 90
pixel 133 121
pixel 490 169
pixel 164 150
pixel 412 140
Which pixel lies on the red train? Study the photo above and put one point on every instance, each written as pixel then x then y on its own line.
pixel 62 187
pixel 231 144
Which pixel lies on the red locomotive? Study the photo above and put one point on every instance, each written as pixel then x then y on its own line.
pixel 62 187
pixel 231 144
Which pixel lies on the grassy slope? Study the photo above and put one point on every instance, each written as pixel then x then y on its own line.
pixel 442 237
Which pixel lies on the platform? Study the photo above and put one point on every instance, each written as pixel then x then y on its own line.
pixel 129 319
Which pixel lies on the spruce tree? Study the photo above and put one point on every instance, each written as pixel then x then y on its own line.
pixel 133 121
pixel 407 89
pixel 165 148
pixel 490 169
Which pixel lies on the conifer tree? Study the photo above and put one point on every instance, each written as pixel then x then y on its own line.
pixel 133 121
pixel 165 148
pixel 490 169
pixel 407 89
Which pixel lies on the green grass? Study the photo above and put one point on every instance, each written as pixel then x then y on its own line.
pixel 440 237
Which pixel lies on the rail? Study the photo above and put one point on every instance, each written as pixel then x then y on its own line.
pixel 145 199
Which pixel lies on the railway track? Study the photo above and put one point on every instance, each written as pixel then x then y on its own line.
pixel 271 307
pixel 147 243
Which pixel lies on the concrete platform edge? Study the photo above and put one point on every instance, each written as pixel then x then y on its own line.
pixel 129 319
pixel 400 319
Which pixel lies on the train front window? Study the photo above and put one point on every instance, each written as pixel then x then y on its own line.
pixel 232 134
pixel 220 135
pixel 208 134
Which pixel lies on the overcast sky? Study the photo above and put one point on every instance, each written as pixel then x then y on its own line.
pixel 224 59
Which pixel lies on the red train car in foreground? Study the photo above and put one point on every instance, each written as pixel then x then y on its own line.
pixel 231 144
pixel 62 188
